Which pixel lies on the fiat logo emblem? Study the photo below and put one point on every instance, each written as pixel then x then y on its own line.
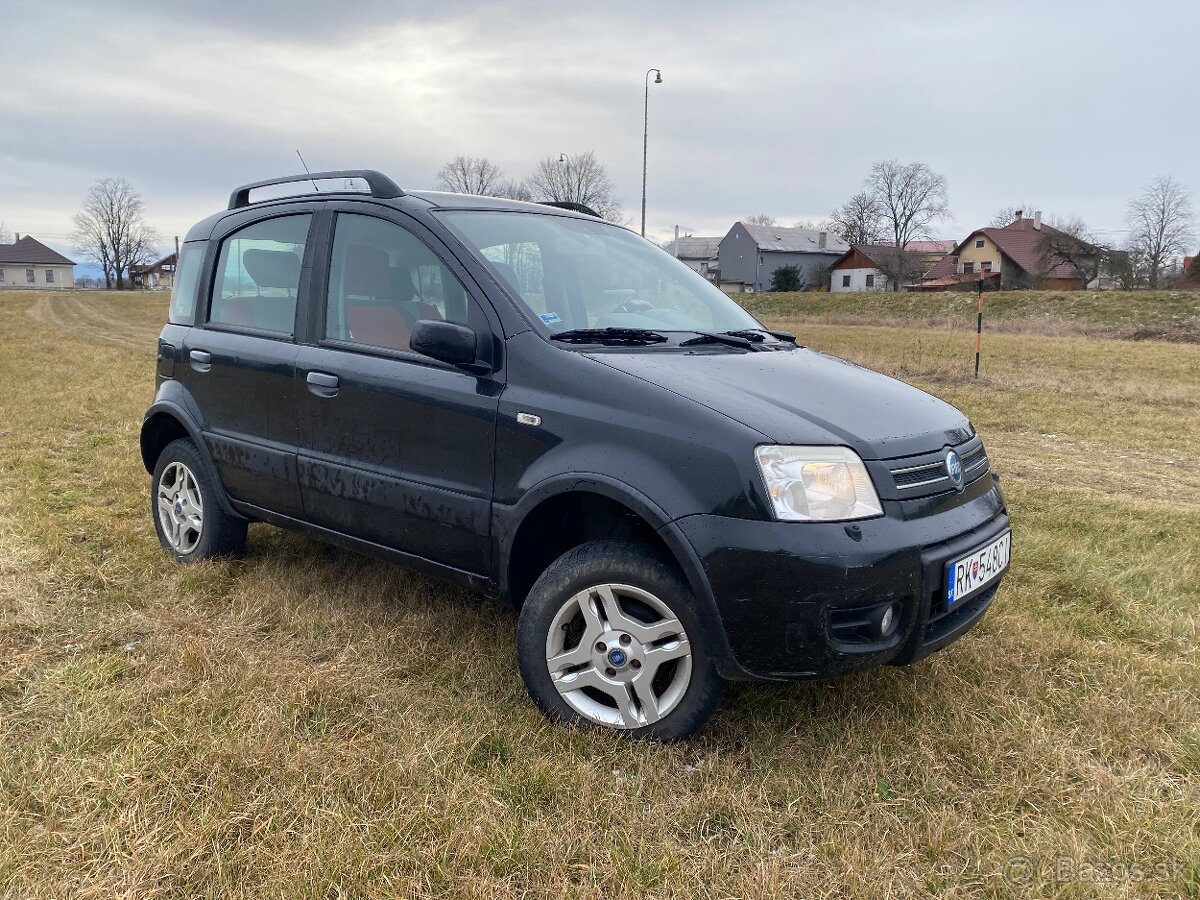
pixel 954 468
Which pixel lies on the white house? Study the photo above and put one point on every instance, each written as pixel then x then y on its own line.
pixel 695 252
pixel 31 264
pixel 861 267
pixel 858 270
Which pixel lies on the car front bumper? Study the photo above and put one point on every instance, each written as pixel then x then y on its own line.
pixel 784 590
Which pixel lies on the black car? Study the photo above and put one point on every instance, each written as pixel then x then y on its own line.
pixel 546 408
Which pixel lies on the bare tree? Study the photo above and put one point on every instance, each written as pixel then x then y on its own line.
pixel 1160 223
pixel 760 219
pixel 900 267
pixel 469 175
pixel 911 197
pixel 511 189
pixel 859 220
pixel 5 234
pixel 111 229
pixel 815 225
pixel 581 178
pixel 1006 215
pixel 1126 267
pixel 1070 241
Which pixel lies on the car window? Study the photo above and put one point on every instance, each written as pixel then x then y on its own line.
pixel 187 273
pixel 383 279
pixel 518 264
pixel 258 275
pixel 583 273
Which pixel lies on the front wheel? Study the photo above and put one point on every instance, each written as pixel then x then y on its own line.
pixel 609 637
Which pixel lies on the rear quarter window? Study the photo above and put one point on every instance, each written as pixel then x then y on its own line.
pixel 257 277
pixel 187 278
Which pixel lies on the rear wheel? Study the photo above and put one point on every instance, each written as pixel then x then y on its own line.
pixel 609 637
pixel 188 518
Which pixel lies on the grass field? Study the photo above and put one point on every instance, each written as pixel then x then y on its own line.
pixel 1137 315
pixel 308 722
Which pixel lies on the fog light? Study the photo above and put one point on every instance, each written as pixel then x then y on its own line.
pixel 866 625
pixel 891 618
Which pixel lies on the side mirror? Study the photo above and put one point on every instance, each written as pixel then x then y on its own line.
pixel 446 342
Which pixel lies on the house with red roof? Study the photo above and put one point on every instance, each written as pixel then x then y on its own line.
pixel 1025 253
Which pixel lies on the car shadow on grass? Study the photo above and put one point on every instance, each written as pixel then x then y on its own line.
pixel 327 594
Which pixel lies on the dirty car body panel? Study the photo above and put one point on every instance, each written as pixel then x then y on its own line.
pixel 440 466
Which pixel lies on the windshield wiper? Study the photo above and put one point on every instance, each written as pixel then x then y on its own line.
pixel 729 338
pixel 610 336
pixel 781 335
pixel 756 334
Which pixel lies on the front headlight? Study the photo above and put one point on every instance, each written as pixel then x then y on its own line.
pixel 817 484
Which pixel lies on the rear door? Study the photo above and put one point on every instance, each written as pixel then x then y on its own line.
pixel 396 448
pixel 239 362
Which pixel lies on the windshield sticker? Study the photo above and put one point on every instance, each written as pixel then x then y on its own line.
pixel 549 318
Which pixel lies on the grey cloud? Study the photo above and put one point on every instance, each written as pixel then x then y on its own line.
pixel 764 107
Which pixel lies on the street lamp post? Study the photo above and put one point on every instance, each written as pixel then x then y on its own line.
pixel 646 138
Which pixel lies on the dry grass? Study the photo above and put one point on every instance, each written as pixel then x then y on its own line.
pixel 308 722
pixel 1134 315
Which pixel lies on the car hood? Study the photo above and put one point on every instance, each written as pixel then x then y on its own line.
pixel 803 396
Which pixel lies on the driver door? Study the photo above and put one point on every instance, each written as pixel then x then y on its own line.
pixel 396 448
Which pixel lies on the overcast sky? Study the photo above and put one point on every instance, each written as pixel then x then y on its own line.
pixel 764 108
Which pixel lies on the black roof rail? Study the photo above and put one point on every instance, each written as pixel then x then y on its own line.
pixel 381 186
pixel 572 206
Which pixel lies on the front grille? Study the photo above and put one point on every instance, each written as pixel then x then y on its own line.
pixel 972 460
pixel 926 475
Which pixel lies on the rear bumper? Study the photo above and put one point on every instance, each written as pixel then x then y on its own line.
pixel 785 591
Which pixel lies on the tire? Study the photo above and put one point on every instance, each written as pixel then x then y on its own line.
pixel 617 624
pixel 188 518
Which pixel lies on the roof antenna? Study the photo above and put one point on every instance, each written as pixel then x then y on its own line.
pixel 308 172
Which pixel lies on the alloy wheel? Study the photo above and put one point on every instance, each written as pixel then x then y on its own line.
pixel 619 656
pixel 180 508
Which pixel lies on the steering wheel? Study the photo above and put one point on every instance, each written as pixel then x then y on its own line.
pixel 635 305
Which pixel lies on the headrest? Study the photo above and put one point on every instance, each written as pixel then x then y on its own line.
pixel 273 268
pixel 402 283
pixel 367 273
pixel 508 275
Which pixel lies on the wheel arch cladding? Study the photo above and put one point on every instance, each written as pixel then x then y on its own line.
pixel 560 521
pixel 555 521
pixel 165 423
pixel 158 430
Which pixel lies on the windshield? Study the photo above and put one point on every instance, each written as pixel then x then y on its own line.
pixel 578 273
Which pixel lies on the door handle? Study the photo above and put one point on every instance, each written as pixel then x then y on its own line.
pixel 201 360
pixel 322 384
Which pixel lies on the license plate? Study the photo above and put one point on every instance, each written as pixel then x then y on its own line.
pixel 977 569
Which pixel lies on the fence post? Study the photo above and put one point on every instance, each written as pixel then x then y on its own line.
pixel 978 326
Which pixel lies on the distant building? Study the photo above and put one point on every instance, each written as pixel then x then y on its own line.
pixel 1189 274
pixel 28 263
pixel 927 252
pixel 749 255
pixel 1013 257
pixel 867 267
pixel 699 253
pixel 157 276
